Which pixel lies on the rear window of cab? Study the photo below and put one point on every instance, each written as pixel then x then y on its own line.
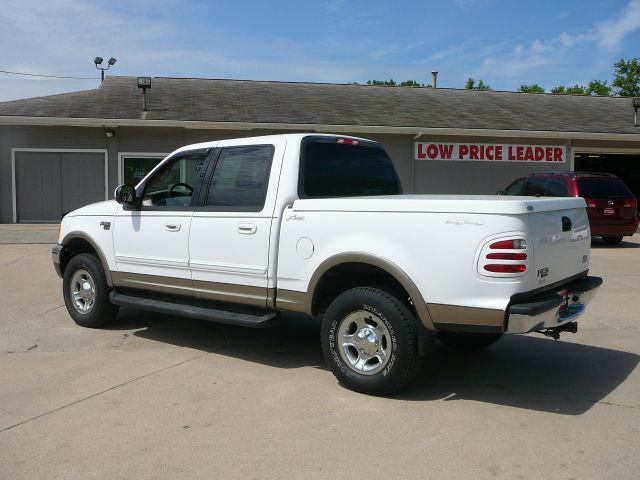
pixel 343 167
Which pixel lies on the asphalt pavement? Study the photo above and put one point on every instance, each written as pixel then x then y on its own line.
pixel 155 397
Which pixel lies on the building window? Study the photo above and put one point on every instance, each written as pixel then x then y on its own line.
pixel 136 167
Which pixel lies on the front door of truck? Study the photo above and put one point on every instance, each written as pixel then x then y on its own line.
pixel 151 244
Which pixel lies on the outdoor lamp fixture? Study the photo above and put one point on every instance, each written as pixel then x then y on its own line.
pixel 98 61
pixel 110 133
pixel 144 83
pixel 636 105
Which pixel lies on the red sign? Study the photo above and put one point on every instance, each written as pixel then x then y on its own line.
pixel 490 152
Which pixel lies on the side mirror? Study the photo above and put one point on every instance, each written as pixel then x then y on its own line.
pixel 126 194
pixel 500 192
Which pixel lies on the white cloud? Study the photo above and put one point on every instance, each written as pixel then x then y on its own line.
pixel 611 33
pixel 531 62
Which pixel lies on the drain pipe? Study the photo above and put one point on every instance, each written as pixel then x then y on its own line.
pixel 413 162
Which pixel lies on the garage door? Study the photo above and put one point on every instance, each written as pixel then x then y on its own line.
pixel 49 184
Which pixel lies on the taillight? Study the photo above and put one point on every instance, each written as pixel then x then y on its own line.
pixel 515 244
pixel 631 203
pixel 590 203
pixel 347 141
pixel 505 257
pixel 499 268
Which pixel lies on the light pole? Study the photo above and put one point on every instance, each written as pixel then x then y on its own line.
pixel 98 62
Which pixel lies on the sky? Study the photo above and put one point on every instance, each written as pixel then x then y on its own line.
pixel 504 43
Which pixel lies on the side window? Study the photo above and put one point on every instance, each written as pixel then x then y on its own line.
pixel 535 187
pixel 240 179
pixel 557 187
pixel 515 188
pixel 174 184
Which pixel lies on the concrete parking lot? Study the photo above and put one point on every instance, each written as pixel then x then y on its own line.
pixel 155 396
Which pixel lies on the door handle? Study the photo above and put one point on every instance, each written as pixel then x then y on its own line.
pixel 247 228
pixel 172 227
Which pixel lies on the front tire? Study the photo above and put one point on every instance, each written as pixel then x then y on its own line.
pixel 370 340
pixel 468 342
pixel 86 292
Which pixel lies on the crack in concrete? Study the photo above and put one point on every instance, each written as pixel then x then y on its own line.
pixel 75 402
pixel 15 261
pixel 50 310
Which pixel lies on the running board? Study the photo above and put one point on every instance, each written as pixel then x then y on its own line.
pixel 251 317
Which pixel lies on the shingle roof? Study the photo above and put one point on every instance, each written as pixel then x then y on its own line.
pixel 187 99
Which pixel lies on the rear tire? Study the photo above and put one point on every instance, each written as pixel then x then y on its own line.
pixel 86 292
pixel 612 240
pixel 468 342
pixel 370 339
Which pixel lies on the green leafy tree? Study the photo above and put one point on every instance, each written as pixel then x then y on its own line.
pixel 412 83
pixel 626 77
pixel 576 90
pixel 533 88
pixel 598 87
pixel 385 83
pixel 471 85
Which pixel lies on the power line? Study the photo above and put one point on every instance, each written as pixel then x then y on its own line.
pixel 48 76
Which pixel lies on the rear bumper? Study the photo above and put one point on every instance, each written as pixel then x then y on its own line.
pixel 615 230
pixel 544 311
pixel 56 253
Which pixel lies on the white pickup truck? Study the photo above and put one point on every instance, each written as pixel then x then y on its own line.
pixel 237 231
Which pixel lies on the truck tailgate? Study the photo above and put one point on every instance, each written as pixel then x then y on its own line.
pixel 561 244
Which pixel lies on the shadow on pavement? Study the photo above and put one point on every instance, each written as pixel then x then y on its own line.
pixel 525 371
pixel 522 371
pixel 598 243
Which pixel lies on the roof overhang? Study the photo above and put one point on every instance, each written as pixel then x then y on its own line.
pixel 415 130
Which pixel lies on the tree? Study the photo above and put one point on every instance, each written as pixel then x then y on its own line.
pixel 626 77
pixel 471 85
pixel 533 88
pixel 412 83
pixel 598 87
pixel 574 90
pixel 386 83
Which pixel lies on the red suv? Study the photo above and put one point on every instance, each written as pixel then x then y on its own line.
pixel 612 208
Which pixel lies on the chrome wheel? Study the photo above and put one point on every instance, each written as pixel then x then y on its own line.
pixel 83 291
pixel 364 342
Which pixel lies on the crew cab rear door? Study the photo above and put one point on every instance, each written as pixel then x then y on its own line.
pixel 232 224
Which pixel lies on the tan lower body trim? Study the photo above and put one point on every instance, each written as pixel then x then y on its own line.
pixel 230 292
pixel 455 314
pixel 290 300
pixel 152 283
pixel 220 292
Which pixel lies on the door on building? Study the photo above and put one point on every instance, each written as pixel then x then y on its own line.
pixel 50 184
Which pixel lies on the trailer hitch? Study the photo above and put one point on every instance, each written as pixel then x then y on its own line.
pixel 555 331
